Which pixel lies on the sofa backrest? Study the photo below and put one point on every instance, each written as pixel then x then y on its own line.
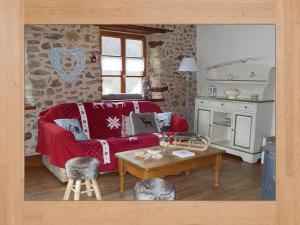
pixel 104 118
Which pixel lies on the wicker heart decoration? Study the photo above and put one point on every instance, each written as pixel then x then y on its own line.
pixel 56 53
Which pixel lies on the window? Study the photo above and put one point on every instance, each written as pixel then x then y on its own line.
pixel 123 62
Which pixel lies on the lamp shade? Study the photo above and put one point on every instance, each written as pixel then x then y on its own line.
pixel 188 65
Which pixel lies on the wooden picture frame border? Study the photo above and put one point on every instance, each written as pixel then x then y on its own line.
pixel 15 13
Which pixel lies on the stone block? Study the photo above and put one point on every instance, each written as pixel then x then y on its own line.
pixel 40 72
pixel 56 83
pixel 33 49
pixel 35 93
pixel 33 64
pixel 38 84
pixel 48 102
pixel 33 42
pixel 53 36
pixel 27 136
pixel 50 91
pixel 46 45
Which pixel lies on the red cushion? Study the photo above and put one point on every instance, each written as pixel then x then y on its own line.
pixel 179 124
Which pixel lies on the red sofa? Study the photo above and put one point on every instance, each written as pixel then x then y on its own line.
pixel 105 137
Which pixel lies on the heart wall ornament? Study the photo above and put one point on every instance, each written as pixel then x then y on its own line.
pixel 55 55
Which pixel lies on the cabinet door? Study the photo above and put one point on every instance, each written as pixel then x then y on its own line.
pixel 242 131
pixel 203 122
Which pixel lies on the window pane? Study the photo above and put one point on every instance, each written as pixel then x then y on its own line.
pixel 134 48
pixel 111 85
pixel 114 73
pixel 111 46
pixel 134 66
pixel 111 64
pixel 133 85
pixel 134 73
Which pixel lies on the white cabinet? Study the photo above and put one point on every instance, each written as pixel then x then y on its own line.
pixel 221 127
pixel 203 122
pixel 242 131
pixel 234 126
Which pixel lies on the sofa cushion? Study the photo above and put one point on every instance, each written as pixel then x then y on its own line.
pixel 72 125
pixel 143 123
pixel 179 124
pixel 164 121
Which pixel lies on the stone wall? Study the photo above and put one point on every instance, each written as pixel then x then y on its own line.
pixel 165 52
pixel 41 81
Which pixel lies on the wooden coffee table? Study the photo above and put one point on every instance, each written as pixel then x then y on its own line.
pixel 168 165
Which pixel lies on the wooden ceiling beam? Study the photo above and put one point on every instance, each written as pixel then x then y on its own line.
pixel 135 29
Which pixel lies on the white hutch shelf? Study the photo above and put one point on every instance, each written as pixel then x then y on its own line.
pixel 237 125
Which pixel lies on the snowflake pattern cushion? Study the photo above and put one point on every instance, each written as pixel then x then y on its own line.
pixel 143 123
pixel 164 121
pixel 72 125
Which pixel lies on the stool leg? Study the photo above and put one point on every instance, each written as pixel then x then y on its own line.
pixel 68 189
pixel 88 187
pixel 97 190
pixel 77 190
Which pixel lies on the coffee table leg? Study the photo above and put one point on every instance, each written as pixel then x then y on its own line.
pixel 217 170
pixel 122 175
pixel 146 175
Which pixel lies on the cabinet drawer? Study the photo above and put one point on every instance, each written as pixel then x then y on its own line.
pixel 223 104
pixel 202 102
pixel 247 107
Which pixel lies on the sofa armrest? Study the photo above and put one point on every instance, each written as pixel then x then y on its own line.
pixel 55 131
pixel 179 124
pixel 56 142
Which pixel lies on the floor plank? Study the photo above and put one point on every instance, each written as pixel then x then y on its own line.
pixel 238 181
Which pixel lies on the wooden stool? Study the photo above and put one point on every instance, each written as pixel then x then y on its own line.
pixel 82 171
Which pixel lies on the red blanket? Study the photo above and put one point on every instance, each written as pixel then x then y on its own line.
pixel 60 145
pixel 105 118
pixel 94 149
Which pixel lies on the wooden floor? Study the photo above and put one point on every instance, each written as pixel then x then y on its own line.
pixel 239 181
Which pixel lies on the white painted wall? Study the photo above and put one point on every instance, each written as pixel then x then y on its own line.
pixel 223 43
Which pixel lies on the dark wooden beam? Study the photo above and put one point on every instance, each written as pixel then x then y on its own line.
pixel 159 89
pixel 135 29
pixel 30 107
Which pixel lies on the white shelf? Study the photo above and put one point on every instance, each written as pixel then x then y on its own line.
pixel 238 80
pixel 252 82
